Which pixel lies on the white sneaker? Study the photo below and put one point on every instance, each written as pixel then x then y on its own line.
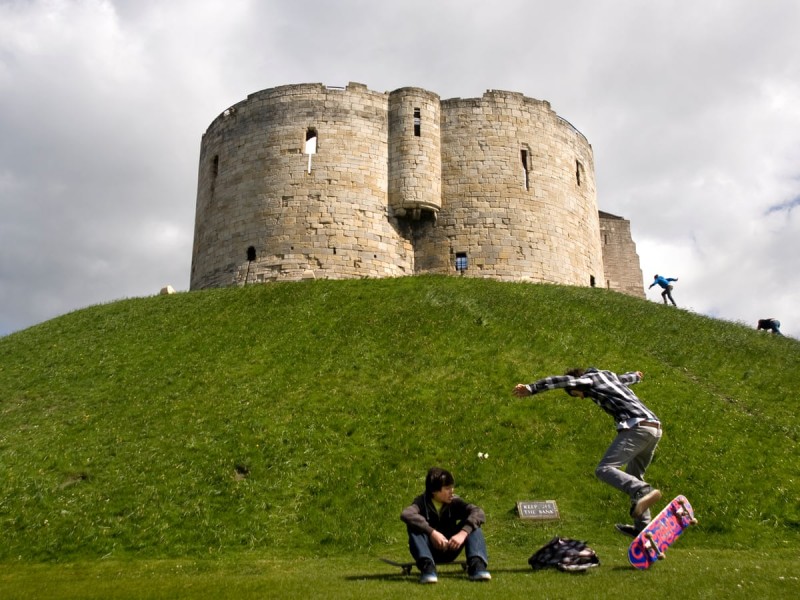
pixel 429 577
pixel 645 501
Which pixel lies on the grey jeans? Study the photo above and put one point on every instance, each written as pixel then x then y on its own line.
pixel 633 448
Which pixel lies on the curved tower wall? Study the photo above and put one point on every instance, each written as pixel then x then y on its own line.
pixel 498 186
pixel 415 164
pixel 518 194
pixel 298 214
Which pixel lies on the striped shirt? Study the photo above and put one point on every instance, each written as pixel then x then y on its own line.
pixel 606 389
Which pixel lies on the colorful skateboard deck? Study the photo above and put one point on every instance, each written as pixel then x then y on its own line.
pixel 651 544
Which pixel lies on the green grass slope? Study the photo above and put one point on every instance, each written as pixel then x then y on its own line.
pixel 300 418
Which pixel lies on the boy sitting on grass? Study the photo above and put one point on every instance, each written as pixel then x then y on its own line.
pixel 440 524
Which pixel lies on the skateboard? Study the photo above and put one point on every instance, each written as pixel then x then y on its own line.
pixel 406 567
pixel 650 545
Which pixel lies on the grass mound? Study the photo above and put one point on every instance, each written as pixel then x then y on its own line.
pixel 301 417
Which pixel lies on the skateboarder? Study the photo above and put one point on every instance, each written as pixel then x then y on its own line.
pixel 664 282
pixel 770 324
pixel 638 433
pixel 441 524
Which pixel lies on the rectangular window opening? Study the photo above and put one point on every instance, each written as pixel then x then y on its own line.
pixel 311 141
pixel 310 147
pixel 526 177
pixel 461 262
pixel 417 122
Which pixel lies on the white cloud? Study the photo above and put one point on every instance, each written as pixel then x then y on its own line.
pixel 692 108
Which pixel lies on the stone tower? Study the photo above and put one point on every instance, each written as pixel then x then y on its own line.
pixel 620 260
pixel 307 181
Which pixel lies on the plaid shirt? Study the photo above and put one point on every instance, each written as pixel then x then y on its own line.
pixel 606 389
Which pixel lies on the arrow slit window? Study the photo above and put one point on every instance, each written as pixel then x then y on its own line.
pixel 310 147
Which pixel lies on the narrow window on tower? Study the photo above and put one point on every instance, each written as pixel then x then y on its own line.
pixel 417 122
pixel 523 154
pixel 310 147
pixel 578 172
pixel 311 141
pixel 214 173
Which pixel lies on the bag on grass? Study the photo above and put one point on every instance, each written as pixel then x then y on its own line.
pixel 564 554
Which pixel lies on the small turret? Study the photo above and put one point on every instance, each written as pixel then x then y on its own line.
pixel 415 165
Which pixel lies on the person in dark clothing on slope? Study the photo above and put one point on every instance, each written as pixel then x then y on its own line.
pixel 638 433
pixel 441 524
pixel 770 324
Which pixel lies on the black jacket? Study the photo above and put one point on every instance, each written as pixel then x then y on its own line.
pixel 421 516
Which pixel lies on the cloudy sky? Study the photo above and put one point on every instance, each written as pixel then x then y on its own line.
pixel 692 108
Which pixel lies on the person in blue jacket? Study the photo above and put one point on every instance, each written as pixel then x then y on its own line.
pixel 664 282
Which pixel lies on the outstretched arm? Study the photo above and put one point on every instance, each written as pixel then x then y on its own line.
pixel 549 383
pixel 631 377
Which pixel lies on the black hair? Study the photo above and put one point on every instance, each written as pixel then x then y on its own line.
pixel 436 479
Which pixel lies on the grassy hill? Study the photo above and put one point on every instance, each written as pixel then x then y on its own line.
pixel 299 419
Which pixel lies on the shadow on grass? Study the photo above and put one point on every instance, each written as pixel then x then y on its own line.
pixel 442 573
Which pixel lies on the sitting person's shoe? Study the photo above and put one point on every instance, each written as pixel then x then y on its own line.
pixel 429 577
pixel 629 530
pixel 477 570
pixel 643 500
pixel 428 572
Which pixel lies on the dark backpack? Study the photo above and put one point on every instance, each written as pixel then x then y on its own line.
pixel 564 554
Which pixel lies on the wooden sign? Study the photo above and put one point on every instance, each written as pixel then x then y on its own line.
pixel 538 510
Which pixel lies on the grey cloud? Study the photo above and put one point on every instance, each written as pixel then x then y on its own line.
pixel 689 106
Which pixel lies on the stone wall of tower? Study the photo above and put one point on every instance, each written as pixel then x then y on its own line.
pixel 300 214
pixel 304 181
pixel 518 195
pixel 620 260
